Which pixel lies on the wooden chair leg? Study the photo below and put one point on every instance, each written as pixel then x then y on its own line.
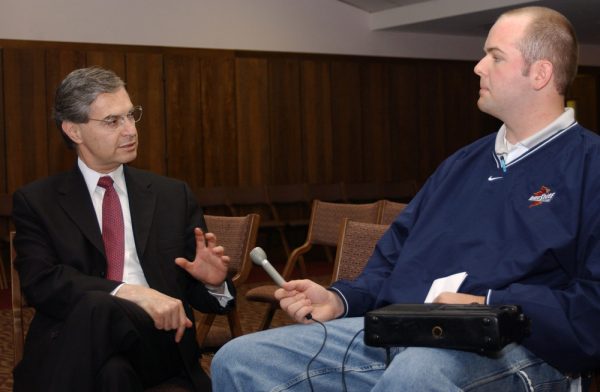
pixel 203 326
pixel 235 325
pixel 266 323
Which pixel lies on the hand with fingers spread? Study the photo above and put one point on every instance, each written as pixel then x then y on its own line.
pixel 298 298
pixel 166 312
pixel 210 264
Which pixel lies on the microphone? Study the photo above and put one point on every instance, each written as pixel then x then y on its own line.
pixel 259 257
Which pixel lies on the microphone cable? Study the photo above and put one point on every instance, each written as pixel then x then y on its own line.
pixel 344 388
pixel 317 354
pixel 344 359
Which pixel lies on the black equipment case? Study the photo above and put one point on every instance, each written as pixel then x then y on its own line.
pixel 480 328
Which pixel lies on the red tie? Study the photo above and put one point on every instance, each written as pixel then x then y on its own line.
pixel 113 230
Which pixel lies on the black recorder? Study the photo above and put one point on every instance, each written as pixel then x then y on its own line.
pixel 479 328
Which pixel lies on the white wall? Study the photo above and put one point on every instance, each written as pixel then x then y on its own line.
pixel 311 26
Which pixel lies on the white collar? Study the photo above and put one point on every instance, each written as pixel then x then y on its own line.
pixel 503 147
pixel 91 177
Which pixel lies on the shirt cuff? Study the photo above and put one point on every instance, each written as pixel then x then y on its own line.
pixel 344 301
pixel 221 293
pixel 114 292
pixel 488 296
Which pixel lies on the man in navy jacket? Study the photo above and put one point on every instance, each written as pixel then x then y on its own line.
pixel 513 218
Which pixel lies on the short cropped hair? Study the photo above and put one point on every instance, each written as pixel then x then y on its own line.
pixel 78 91
pixel 549 36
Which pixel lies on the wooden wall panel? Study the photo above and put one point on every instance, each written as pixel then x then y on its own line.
pixel 184 119
pixel 145 87
pixel 348 158
pixel 113 60
pixel 3 152
pixel 25 115
pixel 460 92
pixel 431 117
pixel 220 139
pixel 315 113
pixel 375 116
pixel 59 63
pixel 286 160
pixel 222 117
pixel 585 94
pixel 405 136
pixel 252 121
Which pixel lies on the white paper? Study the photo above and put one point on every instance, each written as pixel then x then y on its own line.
pixel 447 284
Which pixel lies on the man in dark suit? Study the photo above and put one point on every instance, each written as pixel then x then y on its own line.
pixel 112 300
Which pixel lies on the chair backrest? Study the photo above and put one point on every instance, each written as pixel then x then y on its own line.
pixel 326 220
pixel 389 211
pixel 355 246
pixel 18 302
pixel 237 234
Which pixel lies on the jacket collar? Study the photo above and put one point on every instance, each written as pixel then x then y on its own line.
pixel 142 203
pixel 76 201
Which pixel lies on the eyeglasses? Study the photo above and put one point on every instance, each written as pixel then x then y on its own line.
pixel 115 121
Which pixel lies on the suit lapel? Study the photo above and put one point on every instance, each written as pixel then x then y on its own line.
pixel 75 200
pixel 142 202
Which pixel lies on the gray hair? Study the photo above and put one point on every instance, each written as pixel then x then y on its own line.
pixel 77 92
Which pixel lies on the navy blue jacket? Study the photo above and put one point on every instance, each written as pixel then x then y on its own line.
pixel 528 236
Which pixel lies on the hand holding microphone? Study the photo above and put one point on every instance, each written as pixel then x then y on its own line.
pixel 259 257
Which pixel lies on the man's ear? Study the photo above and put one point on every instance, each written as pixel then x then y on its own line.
pixel 541 73
pixel 72 130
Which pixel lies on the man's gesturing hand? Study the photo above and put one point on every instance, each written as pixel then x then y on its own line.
pixel 210 265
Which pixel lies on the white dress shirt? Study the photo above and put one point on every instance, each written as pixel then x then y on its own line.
pixel 132 269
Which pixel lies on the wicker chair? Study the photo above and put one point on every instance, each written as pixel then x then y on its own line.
pixel 389 211
pixel 238 236
pixel 254 199
pixel 355 246
pixel 324 227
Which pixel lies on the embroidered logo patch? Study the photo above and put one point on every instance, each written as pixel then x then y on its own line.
pixel 544 195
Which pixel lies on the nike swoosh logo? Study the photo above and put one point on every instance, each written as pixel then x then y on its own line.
pixel 490 178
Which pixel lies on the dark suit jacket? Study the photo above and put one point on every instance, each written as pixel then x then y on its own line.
pixel 61 253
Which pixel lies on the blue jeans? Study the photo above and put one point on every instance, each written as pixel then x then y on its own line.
pixel 276 360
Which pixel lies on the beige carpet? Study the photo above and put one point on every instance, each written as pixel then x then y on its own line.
pixel 251 314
